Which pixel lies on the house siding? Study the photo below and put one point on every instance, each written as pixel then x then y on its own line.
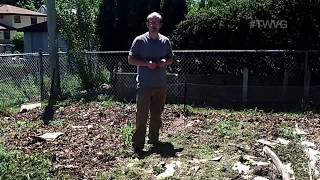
pixel 7 20
pixel 25 21
pixel 34 41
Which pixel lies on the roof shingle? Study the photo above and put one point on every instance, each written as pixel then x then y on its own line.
pixel 5 27
pixel 6 9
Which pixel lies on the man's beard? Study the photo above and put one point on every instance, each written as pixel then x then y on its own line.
pixel 154 30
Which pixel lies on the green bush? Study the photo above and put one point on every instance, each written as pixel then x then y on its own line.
pixel 18 41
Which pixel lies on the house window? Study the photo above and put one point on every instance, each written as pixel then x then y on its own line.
pixel 6 34
pixel 1 16
pixel 33 20
pixel 17 19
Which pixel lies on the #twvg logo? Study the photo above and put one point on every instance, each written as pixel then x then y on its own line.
pixel 270 24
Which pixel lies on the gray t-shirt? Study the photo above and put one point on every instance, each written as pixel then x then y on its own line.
pixel 147 49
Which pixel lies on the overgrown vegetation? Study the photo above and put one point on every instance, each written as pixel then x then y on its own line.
pixel 18 165
pixel 204 145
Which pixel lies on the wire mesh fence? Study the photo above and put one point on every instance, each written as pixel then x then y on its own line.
pixel 210 78
pixel 18 78
pixel 238 77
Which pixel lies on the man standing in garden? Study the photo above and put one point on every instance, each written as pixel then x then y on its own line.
pixel 151 52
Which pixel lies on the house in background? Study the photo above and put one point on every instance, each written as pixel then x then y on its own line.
pixel 43 9
pixel 36 38
pixel 12 18
pixel 5 45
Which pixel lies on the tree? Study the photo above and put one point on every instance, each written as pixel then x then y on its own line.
pixel 11 2
pixel 28 4
pixel 77 24
pixel 225 24
pixel 173 12
pixel 121 21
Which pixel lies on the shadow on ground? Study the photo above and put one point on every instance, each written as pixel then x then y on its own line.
pixel 164 149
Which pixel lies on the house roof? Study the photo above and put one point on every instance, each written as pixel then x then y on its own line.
pixel 5 27
pixel 6 9
pixel 43 9
pixel 40 27
pixel 2 28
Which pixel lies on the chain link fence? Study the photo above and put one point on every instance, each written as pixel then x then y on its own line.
pixel 26 78
pixel 232 78
pixel 19 76
pixel 210 78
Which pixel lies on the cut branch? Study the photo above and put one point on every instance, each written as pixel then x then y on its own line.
pixel 279 165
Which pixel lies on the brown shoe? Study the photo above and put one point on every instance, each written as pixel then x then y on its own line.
pixel 155 143
pixel 137 151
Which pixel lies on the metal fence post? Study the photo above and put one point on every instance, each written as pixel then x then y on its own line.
pixel 306 84
pixel 245 86
pixel 284 86
pixel 41 75
pixel 185 97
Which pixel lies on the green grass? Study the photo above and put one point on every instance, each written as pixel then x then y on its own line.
pixel 190 110
pixel 13 93
pixel 124 173
pixel 59 123
pixel 70 85
pixel 294 153
pixel 26 124
pixel 4 123
pixel 18 165
pixel 108 103
pixel 21 126
pixel 126 133
pixel 202 151
pixel 288 132
pixel 228 128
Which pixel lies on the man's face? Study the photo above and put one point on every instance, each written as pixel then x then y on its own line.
pixel 154 24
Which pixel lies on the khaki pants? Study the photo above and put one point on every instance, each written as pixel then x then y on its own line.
pixel 148 100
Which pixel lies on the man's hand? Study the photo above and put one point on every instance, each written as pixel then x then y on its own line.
pixel 151 65
pixel 162 63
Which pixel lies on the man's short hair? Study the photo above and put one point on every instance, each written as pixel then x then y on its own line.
pixel 154 14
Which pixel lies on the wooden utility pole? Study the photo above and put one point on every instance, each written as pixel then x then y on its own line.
pixel 55 89
pixel 53 49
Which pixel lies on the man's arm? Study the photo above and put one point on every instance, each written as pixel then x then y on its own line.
pixel 134 53
pixel 138 62
pixel 165 62
pixel 169 59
